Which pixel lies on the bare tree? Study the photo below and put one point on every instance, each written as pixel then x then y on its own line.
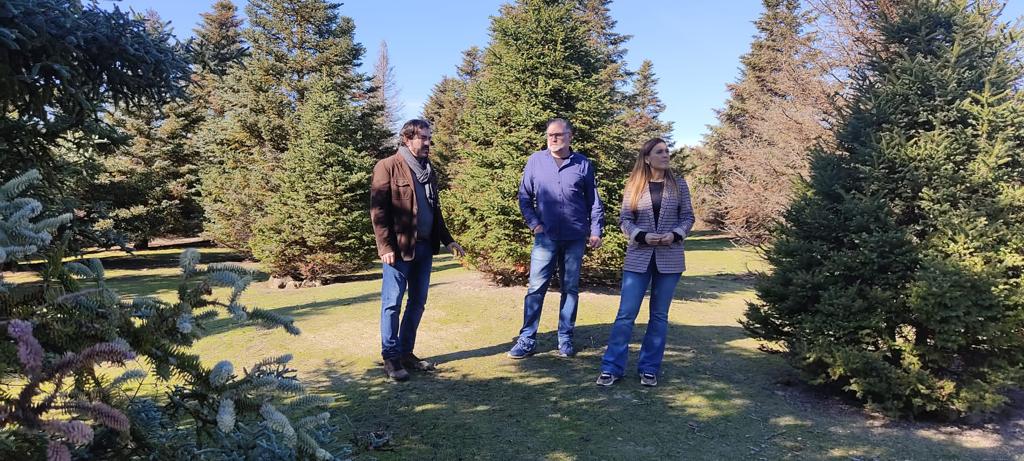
pixel 386 92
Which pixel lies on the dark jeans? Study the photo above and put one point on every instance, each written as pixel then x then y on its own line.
pixel 412 275
pixel 567 255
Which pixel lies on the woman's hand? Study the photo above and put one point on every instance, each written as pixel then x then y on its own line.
pixel 654 239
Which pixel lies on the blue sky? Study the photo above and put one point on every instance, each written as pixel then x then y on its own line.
pixel 695 45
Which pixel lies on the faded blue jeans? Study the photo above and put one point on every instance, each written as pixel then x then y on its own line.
pixel 634 286
pixel 412 276
pixel 567 255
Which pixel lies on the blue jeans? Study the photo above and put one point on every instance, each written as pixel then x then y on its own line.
pixel 567 255
pixel 634 286
pixel 398 339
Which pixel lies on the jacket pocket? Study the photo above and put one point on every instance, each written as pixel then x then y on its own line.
pixel 402 189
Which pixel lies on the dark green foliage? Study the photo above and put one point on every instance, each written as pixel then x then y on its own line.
pixel 263 190
pixel 62 65
pixel 898 273
pixel 545 59
pixel 445 108
pixel 317 224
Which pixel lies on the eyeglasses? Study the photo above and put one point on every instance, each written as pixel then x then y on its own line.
pixel 559 135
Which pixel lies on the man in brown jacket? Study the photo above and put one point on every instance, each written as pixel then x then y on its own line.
pixel 409 229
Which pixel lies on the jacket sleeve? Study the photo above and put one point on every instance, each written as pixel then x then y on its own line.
pixel 526 198
pixel 380 210
pixel 686 217
pixel 627 220
pixel 596 207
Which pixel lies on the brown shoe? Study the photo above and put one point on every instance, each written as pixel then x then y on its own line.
pixel 411 362
pixel 394 370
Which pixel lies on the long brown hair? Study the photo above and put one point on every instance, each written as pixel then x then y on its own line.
pixel 641 175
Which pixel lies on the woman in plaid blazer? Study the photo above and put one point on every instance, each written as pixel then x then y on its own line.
pixel 656 216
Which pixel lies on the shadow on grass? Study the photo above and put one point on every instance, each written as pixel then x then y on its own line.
pixel 690 288
pixel 166 259
pixel 714 401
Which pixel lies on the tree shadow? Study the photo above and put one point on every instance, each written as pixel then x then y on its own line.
pixel 690 288
pixel 716 400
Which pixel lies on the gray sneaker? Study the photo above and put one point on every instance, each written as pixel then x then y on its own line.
pixel 606 379
pixel 648 379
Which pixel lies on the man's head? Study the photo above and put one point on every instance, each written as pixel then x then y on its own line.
pixel 416 136
pixel 559 134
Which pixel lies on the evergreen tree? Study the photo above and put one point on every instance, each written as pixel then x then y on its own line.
pixel 386 94
pixel 541 63
pixel 776 112
pixel 150 186
pixel 293 44
pixel 65 65
pixel 643 109
pixel 217 47
pixel 317 224
pixel 897 273
pixel 445 107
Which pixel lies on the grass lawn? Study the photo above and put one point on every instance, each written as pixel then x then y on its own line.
pixel 718 398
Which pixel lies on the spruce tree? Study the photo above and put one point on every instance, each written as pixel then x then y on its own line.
pixel 217 47
pixel 445 107
pixel 317 224
pixel 897 274
pixel 385 94
pixel 293 45
pixel 777 111
pixel 57 87
pixel 542 62
pixel 643 109
pixel 150 186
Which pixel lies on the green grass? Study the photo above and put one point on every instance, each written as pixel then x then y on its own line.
pixel 718 398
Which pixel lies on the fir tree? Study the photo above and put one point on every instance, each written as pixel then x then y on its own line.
pixel 293 45
pixel 317 224
pixel 445 107
pixel 57 86
pixel 216 48
pixel 777 111
pixel 386 94
pixel 150 186
pixel 643 109
pixel 542 62
pixel 898 272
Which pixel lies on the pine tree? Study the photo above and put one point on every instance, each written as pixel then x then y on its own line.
pixel 898 272
pixel 386 94
pixel 293 45
pixel 445 107
pixel 541 63
pixel 317 224
pixel 150 186
pixel 777 111
pixel 643 109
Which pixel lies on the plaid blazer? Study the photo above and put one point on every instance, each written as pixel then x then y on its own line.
pixel 676 215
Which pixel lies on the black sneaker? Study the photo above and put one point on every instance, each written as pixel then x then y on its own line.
pixel 394 370
pixel 411 362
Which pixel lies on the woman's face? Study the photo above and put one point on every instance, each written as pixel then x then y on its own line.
pixel 659 157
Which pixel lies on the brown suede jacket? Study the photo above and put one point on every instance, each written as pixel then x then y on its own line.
pixel 393 210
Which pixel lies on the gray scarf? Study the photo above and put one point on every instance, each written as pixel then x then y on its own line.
pixel 422 171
